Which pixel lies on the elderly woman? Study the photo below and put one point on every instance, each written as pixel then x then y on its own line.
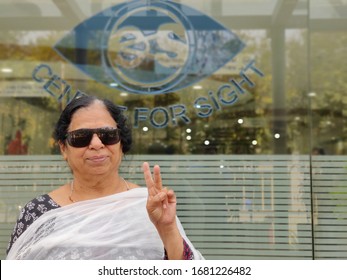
pixel 100 215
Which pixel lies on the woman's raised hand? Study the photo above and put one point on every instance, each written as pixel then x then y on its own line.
pixel 161 208
pixel 161 202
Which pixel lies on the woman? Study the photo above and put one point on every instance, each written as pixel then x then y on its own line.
pixel 99 215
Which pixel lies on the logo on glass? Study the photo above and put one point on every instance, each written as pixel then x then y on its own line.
pixel 149 47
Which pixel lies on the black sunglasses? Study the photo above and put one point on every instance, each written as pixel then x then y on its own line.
pixel 81 137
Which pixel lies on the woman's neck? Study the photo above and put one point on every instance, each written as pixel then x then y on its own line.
pixel 83 189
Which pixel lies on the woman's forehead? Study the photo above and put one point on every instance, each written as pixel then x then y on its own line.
pixel 95 115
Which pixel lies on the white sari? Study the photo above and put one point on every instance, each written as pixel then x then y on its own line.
pixel 113 227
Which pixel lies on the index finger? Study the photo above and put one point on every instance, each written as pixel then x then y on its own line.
pixel 148 179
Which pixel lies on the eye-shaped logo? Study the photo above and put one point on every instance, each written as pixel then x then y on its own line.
pixel 149 47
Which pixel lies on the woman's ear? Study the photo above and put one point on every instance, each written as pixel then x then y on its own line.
pixel 62 147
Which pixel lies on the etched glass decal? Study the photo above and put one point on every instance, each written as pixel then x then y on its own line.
pixel 149 47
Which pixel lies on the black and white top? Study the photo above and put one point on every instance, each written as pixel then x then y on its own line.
pixel 29 213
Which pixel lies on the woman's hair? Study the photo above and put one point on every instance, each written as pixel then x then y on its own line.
pixel 61 128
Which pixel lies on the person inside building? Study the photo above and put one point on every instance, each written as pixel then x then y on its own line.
pixel 99 214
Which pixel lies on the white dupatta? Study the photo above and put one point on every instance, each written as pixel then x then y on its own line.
pixel 113 227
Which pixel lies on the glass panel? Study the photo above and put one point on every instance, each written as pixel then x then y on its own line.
pixel 328 39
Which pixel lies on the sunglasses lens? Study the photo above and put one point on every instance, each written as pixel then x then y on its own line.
pixel 108 136
pixel 82 137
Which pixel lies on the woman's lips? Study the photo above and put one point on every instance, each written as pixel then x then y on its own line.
pixel 97 158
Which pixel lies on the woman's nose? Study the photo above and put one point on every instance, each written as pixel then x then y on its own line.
pixel 96 142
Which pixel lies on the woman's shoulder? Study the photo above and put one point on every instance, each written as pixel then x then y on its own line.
pixel 130 185
pixel 40 204
pixel 135 193
pixel 30 213
pixel 138 189
pixel 34 209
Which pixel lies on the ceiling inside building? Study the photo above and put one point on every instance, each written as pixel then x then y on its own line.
pixel 47 15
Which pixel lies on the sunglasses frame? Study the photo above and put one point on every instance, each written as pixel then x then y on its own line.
pixel 105 134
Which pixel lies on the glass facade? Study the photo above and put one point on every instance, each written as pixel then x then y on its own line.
pixel 243 103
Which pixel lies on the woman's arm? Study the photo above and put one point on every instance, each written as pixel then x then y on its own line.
pixel 161 208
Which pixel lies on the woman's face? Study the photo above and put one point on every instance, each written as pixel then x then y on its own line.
pixel 96 158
